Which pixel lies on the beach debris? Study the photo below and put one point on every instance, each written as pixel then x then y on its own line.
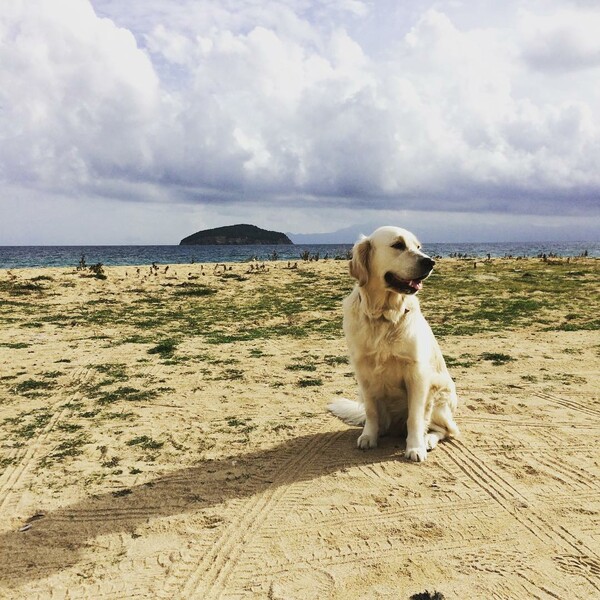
pixel 98 270
pixel 35 517
pixel 154 269
pixel 254 268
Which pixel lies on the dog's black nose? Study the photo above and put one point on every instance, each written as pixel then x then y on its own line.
pixel 428 263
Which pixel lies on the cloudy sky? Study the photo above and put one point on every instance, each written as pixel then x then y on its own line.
pixel 140 122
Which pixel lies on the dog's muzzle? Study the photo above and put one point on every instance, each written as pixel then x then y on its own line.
pixel 410 286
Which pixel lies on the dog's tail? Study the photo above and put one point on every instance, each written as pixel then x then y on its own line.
pixel 349 411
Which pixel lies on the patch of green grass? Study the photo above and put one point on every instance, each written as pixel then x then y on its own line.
pixel 499 296
pixel 68 448
pixel 29 386
pixel 69 427
pixel 578 322
pixel 89 414
pixel 116 371
pixel 18 288
pixel 566 378
pixel 255 333
pixel 337 360
pixel 465 360
pixel 307 275
pixel 166 348
pixel 256 353
pixel 145 442
pixel 137 338
pixel 234 276
pixel 229 375
pixel 282 427
pixel 127 393
pixel 125 416
pixel 30 423
pixel 330 328
pixel 242 425
pixel 194 290
pixel 497 358
pixel 308 366
pixel 310 382
pixel 7 462
pixel 52 374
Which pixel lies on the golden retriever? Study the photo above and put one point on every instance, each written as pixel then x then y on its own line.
pixel 402 376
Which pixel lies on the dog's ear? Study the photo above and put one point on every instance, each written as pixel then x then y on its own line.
pixel 361 257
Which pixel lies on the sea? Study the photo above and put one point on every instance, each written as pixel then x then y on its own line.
pixel 16 257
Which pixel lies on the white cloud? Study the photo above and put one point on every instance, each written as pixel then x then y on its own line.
pixel 565 40
pixel 78 97
pixel 239 101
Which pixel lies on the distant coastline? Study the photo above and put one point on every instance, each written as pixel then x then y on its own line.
pixel 14 257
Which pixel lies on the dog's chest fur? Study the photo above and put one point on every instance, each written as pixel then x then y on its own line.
pixel 381 348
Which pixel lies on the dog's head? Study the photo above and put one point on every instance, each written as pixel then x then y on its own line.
pixel 391 257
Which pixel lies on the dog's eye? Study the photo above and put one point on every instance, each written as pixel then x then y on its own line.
pixel 399 245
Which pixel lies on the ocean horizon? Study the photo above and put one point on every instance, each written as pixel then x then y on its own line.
pixel 17 257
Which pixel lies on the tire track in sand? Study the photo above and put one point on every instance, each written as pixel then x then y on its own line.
pixel 206 576
pixel 574 405
pixel 512 500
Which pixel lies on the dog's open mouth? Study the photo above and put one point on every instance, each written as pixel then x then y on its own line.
pixel 403 286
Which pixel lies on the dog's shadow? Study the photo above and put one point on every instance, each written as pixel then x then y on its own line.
pixel 56 540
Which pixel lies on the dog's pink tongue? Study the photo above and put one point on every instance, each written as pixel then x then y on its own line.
pixel 417 284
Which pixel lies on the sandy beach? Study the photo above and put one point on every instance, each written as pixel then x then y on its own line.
pixel 164 434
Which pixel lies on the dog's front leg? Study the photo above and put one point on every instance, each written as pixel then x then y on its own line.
pixel 418 389
pixel 368 438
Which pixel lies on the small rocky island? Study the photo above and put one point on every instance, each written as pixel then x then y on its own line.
pixel 238 235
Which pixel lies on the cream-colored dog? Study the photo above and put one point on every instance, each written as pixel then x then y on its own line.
pixel 402 376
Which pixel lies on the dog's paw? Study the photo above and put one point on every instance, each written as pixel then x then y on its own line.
pixel 432 439
pixel 418 454
pixel 366 441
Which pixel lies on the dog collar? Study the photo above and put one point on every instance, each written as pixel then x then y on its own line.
pixel 394 315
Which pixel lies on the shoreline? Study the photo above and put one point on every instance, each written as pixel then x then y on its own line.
pixel 39 256
pixel 287 263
